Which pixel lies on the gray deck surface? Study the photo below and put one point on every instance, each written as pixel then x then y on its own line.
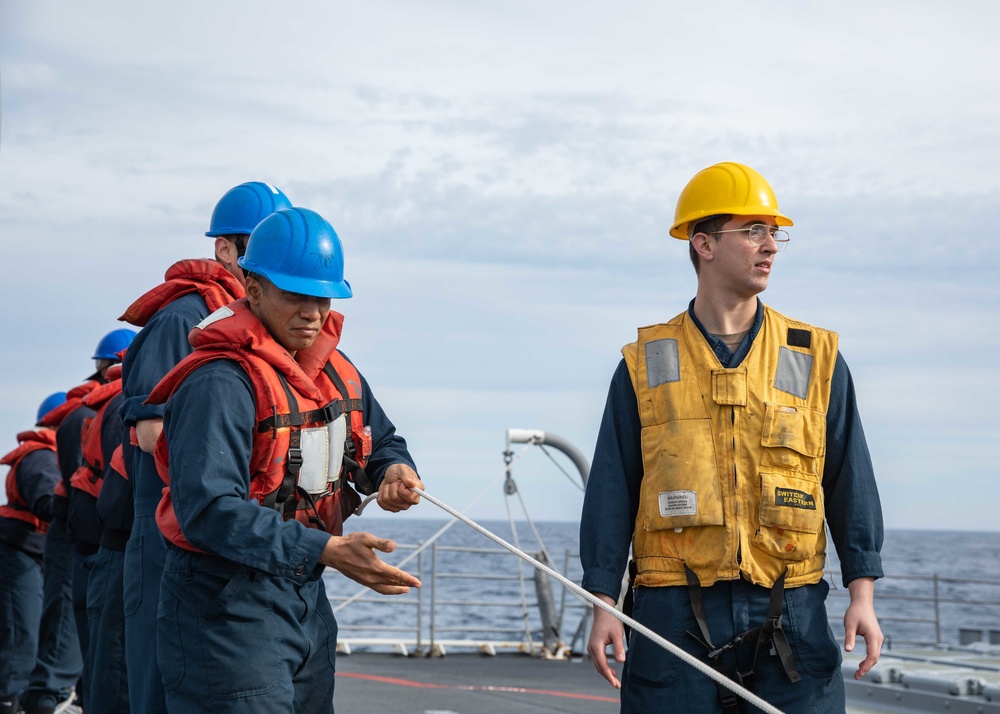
pixel 478 684
pixel 469 684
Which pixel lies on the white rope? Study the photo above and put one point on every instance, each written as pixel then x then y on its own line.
pixel 706 669
pixel 423 546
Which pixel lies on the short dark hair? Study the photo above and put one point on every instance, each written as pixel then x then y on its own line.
pixel 708 225
pixel 264 282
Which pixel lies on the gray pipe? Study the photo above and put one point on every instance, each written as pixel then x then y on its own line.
pixel 537 436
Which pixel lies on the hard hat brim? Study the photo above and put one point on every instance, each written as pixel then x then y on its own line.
pixel 305 286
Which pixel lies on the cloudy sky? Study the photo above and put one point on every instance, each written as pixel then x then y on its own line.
pixel 503 176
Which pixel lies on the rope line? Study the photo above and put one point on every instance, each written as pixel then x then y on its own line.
pixel 702 667
pixel 565 473
pixel 441 531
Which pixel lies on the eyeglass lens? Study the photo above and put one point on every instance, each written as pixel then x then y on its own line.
pixel 758 234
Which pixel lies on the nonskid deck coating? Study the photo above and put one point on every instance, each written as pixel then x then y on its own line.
pixel 469 684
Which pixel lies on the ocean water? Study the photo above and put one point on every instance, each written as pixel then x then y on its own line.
pixel 481 595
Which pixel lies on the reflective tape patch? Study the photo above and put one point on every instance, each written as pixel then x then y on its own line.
pixel 663 362
pixel 221 314
pixel 794 370
pixel 794 499
pixel 678 503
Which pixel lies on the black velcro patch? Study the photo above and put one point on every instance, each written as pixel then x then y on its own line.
pixel 794 499
pixel 799 338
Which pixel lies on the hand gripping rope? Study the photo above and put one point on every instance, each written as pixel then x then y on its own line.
pixel 702 667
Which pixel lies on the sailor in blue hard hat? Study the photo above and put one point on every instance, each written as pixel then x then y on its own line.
pixel 58 667
pixel 191 290
pixel 24 518
pixel 260 516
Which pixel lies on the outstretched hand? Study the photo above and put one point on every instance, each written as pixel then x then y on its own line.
pixel 354 556
pixel 607 630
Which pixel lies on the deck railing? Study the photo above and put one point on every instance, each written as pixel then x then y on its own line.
pixel 471 598
pixel 919 610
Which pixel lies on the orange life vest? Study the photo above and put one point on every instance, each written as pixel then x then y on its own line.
pixel 291 394
pixel 16 507
pixel 89 477
pixel 216 285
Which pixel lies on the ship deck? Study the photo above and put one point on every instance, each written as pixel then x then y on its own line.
pixel 933 680
pixel 469 684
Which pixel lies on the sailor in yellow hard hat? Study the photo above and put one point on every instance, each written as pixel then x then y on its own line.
pixel 730 439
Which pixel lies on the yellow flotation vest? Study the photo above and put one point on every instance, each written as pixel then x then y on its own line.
pixel 732 458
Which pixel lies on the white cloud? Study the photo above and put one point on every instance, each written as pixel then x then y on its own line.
pixel 503 177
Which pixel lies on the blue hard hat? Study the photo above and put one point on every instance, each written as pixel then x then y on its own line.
pixel 113 342
pixel 49 403
pixel 298 250
pixel 243 207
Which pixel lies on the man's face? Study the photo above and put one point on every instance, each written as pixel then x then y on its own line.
pixel 739 265
pixel 293 320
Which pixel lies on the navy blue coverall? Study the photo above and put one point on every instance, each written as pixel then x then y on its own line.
pixel 88 533
pixel 161 344
pixel 21 549
pixel 652 678
pixel 246 626
pixel 59 664
pixel 108 688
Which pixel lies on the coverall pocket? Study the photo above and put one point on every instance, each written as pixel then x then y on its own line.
pixel 330 620
pixel 791 516
pixel 97 586
pixel 169 646
pixel 239 650
pixel 132 590
pixel 681 484
pixel 649 665
pixel 816 651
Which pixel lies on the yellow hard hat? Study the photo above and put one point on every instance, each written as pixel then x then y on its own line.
pixel 726 188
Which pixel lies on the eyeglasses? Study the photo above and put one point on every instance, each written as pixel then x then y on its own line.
pixel 757 234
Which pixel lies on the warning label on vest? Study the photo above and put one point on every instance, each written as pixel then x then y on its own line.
pixel 678 503
pixel 794 499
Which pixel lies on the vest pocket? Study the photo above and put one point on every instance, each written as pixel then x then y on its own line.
pixel 791 516
pixel 680 486
pixel 793 438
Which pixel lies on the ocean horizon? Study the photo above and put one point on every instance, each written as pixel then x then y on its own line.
pixel 958 565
